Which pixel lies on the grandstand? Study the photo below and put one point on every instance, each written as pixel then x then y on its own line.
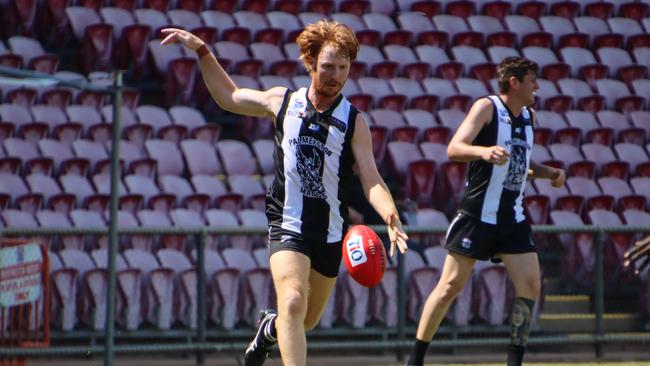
pixel 186 163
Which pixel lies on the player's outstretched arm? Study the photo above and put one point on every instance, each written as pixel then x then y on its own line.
pixel 374 187
pixel 460 147
pixel 224 91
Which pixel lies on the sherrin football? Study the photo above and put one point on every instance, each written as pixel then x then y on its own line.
pixel 364 255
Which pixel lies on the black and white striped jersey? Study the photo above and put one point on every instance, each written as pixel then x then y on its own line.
pixel 494 193
pixel 313 165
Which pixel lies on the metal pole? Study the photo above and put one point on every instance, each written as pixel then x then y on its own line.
pixel 200 294
pixel 401 304
pixel 599 293
pixel 112 228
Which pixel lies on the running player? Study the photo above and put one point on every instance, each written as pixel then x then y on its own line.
pixel 496 138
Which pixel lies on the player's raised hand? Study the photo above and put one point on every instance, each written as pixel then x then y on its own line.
pixel 178 35
pixel 396 234
pixel 496 155
pixel 559 176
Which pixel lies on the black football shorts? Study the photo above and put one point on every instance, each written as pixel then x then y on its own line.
pixel 476 239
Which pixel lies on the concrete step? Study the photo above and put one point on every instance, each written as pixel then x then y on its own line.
pixel 576 323
pixel 563 304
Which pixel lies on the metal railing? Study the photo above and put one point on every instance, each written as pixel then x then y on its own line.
pixel 196 339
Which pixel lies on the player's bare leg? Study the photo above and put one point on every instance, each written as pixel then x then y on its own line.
pixel 455 273
pixel 320 289
pixel 291 272
pixel 524 272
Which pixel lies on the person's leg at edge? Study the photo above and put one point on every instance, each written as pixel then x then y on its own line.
pixel 320 289
pixel 455 273
pixel 290 271
pixel 524 272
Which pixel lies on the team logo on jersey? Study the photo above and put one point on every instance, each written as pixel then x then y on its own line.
pixel 309 167
pixel 516 169
pixel 314 127
pixel 466 243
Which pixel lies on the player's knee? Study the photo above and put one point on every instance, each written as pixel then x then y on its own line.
pixel 533 287
pixel 293 303
pixel 449 290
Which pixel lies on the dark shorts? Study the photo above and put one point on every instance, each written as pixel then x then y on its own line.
pixel 474 238
pixel 325 257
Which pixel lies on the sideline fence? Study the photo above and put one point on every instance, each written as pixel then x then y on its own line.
pixel 391 339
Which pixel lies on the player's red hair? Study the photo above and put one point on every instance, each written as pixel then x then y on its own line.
pixel 321 33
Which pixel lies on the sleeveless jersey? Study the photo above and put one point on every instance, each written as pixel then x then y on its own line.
pixel 313 164
pixel 494 193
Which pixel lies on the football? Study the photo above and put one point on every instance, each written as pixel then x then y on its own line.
pixel 364 255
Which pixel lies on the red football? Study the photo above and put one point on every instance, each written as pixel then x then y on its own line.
pixel 364 255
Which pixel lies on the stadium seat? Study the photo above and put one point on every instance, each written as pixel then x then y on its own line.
pixel 288 22
pixel 618 96
pixel 186 197
pixel 244 163
pixel 168 156
pixel 158 287
pixel 54 197
pixel 147 188
pixel 490 281
pixel 84 192
pixel 64 287
pixel 449 96
pixel 429 217
pixel 582 93
pixel 64 160
pixel 620 64
pixel 225 219
pixel 245 185
pixel 615 247
pixel 459 31
pixel 422 29
pixel 526 29
pixel 128 307
pixel 578 259
pixel 33 54
pixel 197 126
pixel 256 282
pixel 258 26
pixel 441 65
pixel 494 31
pixel 391 35
pixel 185 306
pixel 208 184
pixel 223 287
pixel 91 282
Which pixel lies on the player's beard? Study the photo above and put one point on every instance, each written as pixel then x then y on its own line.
pixel 328 91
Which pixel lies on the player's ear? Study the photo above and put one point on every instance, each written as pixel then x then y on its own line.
pixel 513 81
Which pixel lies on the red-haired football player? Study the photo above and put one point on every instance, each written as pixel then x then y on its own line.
pixel 319 135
